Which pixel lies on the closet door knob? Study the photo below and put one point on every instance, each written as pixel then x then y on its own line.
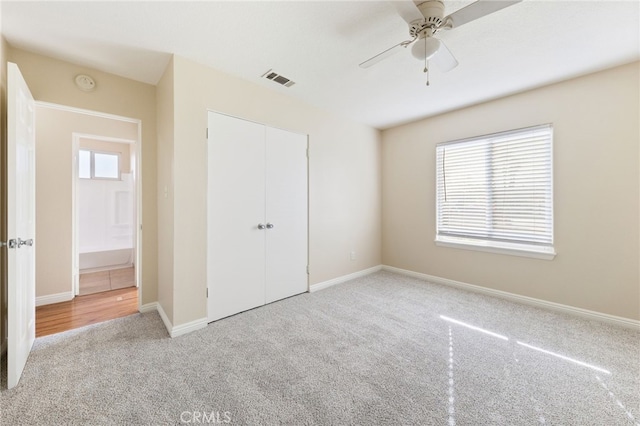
pixel 269 225
pixel 261 226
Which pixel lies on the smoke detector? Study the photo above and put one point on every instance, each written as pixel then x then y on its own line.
pixel 85 82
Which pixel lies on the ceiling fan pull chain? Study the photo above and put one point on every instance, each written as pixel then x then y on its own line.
pixel 426 69
pixel 426 63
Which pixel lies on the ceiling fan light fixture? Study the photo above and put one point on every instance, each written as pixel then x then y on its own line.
pixel 425 48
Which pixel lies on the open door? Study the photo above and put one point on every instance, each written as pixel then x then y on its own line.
pixel 21 292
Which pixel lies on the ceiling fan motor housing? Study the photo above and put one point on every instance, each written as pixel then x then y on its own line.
pixel 433 12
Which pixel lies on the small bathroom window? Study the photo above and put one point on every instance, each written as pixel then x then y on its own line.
pixel 98 165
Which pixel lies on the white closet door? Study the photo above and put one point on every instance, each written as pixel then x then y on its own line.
pixel 236 203
pixel 286 184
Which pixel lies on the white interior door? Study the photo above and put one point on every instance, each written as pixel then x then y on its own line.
pixel 235 205
pixel 286 211
pixel 20 223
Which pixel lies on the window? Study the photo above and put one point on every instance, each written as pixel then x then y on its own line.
pixel 98 165
pixel 495 193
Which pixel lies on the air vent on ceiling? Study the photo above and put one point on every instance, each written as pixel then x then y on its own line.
pixel 270 75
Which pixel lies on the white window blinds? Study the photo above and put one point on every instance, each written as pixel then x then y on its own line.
pixel 496 190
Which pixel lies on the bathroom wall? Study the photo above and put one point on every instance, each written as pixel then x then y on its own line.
pixel 105 207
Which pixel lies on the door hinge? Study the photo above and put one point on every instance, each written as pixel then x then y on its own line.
pixel 207 133
pixel 307 269
pixel 307 152
pixel 207 293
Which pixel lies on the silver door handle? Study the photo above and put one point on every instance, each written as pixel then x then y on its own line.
pixel 269 225
pixel 12 243
pixel 261 226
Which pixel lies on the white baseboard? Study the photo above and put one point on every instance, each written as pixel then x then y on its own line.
pixel 344 278
pixel 188 327
pixel 106 268
pixel 54 298
pixel 148 307
pixel 539 303
pixel 178 330
pixel 164 317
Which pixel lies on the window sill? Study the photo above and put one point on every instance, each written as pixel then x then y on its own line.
pixel 498 248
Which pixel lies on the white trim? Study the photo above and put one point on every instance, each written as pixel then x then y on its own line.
pixel 188 327
pixel 344 278
pixel 164 317
pixel 148 307
pixel 558 307
pixel 109 268
pixel 75 235
pixel 100 138
pixel 87 112
pixel 521 250
pixel 54 298
pixel 178 330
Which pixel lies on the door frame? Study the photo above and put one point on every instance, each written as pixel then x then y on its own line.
pixel 138 187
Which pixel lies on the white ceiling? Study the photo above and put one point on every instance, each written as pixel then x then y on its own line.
pixel 319 45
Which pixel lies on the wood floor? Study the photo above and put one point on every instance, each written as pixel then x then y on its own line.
pixel 95 282
pixel 85 310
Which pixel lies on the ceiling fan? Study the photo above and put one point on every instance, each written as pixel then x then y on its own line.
pixel 425 19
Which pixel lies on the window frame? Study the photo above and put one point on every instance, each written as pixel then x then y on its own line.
pixel 537 251
pixel 92 164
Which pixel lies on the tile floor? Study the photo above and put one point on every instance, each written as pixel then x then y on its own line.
pixel 96 282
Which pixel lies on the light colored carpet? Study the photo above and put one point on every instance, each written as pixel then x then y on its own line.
pixel 369 352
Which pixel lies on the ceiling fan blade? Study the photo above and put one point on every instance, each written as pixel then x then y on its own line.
pixel 384 55
pixel 407 10
pixel 444 59
pixel 477 10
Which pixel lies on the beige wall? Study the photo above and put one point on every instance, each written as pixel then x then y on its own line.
pixel 51 80
pixel 344 179
pixel 596 121
pixel 54 163
pixel 165 111
pixel 122 148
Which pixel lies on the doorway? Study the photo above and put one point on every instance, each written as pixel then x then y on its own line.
pixel 89 207
pixel 105 213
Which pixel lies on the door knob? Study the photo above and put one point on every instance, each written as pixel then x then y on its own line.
pixel 269 225
pixel 261 226
pixel 12 243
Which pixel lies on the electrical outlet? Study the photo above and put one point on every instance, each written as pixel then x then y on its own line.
pixel 352 255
